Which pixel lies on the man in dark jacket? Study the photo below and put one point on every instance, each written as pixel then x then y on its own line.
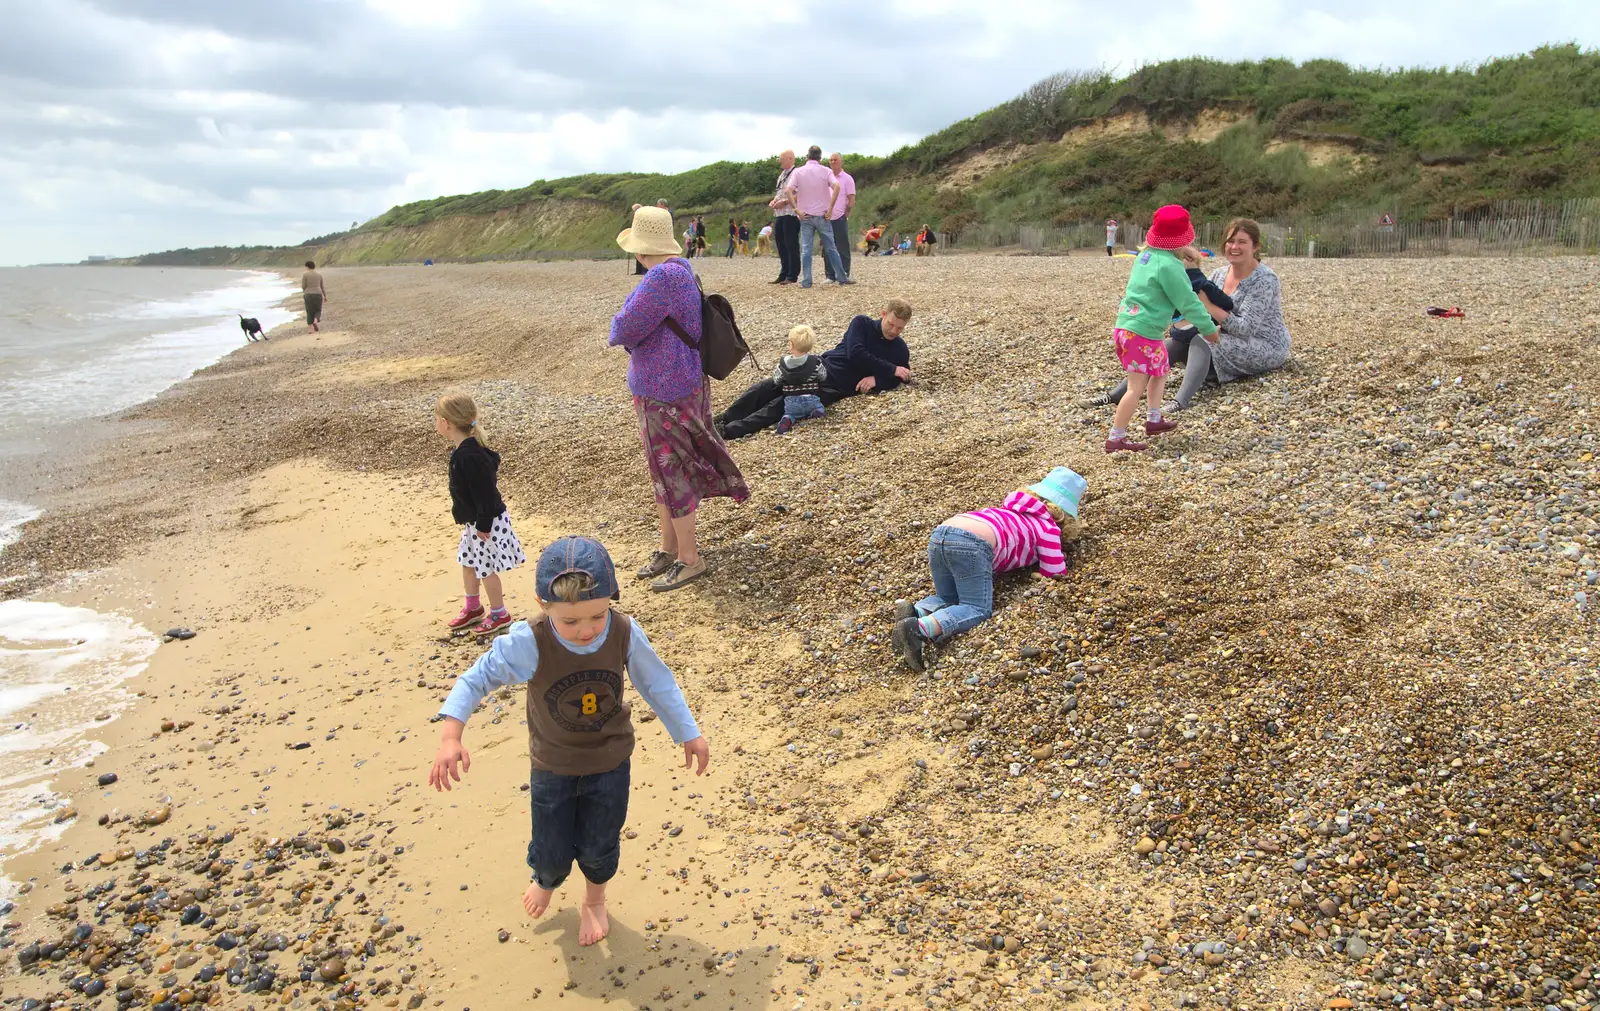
pixel 872 358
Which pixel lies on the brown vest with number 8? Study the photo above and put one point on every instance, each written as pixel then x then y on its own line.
pixel 578 723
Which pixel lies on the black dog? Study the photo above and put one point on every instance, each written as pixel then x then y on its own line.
pixel 251 328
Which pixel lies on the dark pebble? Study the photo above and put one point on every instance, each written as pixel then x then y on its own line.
pixel 94 988
pixel 180 632
pixel 106 778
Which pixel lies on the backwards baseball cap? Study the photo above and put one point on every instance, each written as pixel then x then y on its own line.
pixel 577 554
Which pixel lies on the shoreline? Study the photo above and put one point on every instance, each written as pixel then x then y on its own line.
pixel 1254 688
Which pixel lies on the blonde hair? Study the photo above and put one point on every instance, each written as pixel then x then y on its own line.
pixel 461 413
pixel 802 339
pixel 1071 526
pixel 569 587
pixel 900 308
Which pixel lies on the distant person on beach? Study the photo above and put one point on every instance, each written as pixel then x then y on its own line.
pixel 840 217
pixel 1252 338
pixel 580 731
pixel 1111 235
pixel 1158 286
pixel 315 294
pixel 871 237
pixel 800 375
pixel 733 238
pixel 872 358
pixel 785 224
pixel 815 192
pixel 488 545
pixel 764 241
pixel 686 458
pixel 966 552
pixel 744 238
pixel 926 240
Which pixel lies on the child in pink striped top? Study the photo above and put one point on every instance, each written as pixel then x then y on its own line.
pixel 966 551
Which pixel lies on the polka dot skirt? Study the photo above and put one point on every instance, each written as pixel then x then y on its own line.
pixel 502 552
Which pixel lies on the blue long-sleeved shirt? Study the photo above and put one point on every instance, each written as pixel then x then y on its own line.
pixel 514 658
pixel 864 352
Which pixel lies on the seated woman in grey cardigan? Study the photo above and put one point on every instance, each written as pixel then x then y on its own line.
pixel 1251 339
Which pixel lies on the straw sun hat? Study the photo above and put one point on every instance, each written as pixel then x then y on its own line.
pixel 651 234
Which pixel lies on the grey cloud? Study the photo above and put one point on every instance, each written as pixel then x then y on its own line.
pixel 370 105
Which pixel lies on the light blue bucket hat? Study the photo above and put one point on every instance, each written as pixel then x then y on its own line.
pixel 1062 487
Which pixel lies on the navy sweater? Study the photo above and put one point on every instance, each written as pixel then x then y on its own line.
pixel 864 352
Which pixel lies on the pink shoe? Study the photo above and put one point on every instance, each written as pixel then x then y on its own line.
pixel 1125 445
pixel 1157 427
pixel 491 624
pixel 466 617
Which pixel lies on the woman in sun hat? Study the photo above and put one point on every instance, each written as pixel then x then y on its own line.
pixel 686 458
pixel 965 553
pixel 1158 287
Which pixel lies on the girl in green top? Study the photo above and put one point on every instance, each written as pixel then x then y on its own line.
pixel 1158 287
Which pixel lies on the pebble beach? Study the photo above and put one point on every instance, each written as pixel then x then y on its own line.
pixel 1312 722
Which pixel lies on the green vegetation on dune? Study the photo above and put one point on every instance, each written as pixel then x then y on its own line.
pixel 1304 139
pixel 1267 138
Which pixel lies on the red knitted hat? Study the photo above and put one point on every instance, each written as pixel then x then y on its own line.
pixel 1170 228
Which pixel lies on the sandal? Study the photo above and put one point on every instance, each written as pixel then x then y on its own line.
pixel 491 624
pixel 679 574
pixel 467 616
pixel 659 562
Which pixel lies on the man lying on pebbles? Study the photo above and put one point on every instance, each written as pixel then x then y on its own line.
pixel 580 732
pixel 872 358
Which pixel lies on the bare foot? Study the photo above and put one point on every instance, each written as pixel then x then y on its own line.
pixel 536 900
pixel 593 924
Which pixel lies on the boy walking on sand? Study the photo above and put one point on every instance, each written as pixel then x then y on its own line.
pixel 580 731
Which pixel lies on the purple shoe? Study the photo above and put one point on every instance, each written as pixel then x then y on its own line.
pixel 785 425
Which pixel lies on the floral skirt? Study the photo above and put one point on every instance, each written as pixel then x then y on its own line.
pixel 1139 354
pixel 688 461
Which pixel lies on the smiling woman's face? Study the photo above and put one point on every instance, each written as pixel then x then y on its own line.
pixel 1240 247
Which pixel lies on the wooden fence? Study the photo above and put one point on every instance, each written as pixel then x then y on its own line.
pixel 1506 228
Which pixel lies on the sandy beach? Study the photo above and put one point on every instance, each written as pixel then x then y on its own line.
pixel 1311 723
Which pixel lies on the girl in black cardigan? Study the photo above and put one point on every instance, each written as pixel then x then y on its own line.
pixel 488 545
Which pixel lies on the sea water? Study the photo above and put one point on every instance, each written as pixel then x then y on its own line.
pixel 78 343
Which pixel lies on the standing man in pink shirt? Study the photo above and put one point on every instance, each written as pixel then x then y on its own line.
pixel 841 213
pixel 814 192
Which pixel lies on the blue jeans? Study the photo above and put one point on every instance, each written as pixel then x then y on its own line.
pixel 802 407
pixel 963 581
pixel 577 818
pixel 818 225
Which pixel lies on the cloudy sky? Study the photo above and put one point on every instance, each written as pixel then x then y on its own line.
pixel 134 125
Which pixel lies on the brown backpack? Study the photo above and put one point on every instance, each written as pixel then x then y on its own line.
pixel 722 347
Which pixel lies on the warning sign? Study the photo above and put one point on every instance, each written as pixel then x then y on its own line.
pixel 1386 222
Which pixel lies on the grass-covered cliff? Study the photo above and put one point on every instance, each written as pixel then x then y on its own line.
pixel 1268 138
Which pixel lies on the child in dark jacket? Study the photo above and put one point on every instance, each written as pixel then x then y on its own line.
pixel 800 374
pixel 1200 282
pixel 488 545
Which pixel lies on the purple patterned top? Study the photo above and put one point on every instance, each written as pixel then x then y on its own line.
pixel 660 365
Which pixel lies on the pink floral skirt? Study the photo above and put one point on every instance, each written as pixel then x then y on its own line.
pixel 687 460
pixel 1142 355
